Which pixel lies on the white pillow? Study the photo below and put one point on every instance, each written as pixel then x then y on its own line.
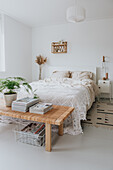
pixel 80 75
pixel 60 74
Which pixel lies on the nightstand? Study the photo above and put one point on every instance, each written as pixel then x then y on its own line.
pixel 105 87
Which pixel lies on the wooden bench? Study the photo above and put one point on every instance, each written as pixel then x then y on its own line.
pixel 56 116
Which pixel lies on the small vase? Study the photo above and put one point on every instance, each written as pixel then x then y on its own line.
pixel 9 98
pixel 40 72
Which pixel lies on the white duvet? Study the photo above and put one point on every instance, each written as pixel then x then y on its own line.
pixel 68 92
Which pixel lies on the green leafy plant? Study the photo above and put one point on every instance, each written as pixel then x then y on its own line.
pixel 11 84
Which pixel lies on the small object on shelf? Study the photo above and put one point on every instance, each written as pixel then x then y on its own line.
pixel 103 58
pixel 59 42
pixel 106 76
pixel 59 47
pixel 104 68
pixel 105 87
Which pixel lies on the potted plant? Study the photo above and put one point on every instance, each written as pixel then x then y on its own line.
pixel 9 87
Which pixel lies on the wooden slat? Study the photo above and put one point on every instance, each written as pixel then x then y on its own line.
pixel 56 114
pixel 60 120
pixel 47 115
pixel 27 116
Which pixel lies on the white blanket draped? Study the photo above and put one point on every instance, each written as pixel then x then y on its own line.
pixel 68 92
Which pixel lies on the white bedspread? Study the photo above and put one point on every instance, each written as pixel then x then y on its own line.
pixel 68 92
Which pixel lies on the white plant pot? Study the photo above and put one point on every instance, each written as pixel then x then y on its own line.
pixel 9 98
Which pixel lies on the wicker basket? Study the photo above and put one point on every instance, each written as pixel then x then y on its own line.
pixel 28 137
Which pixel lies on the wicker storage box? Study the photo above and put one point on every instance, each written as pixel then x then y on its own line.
pixel 30 138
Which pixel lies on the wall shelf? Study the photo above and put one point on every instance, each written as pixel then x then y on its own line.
pixel 56 47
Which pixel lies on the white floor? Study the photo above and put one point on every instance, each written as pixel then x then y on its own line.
pixel 92 150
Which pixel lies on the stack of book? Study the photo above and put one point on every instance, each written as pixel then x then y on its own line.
pixel 23 105
pixel 40 108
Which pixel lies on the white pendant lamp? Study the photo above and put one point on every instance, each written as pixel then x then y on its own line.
pixel 75 14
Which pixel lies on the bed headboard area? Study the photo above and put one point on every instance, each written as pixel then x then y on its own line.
pixel 51 69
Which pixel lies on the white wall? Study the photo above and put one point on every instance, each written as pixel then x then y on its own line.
pixel 87 43
pixel 18 49
pixel 0 44
pixel 2 51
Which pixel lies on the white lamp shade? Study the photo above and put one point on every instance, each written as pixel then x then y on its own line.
pixel 75 14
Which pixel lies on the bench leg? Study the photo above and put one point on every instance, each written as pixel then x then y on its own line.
pixel 48 137
pixel 61 130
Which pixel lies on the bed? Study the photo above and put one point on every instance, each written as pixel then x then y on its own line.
pixel 66 91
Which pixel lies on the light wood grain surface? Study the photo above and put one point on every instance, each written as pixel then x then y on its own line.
pixel 55 116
